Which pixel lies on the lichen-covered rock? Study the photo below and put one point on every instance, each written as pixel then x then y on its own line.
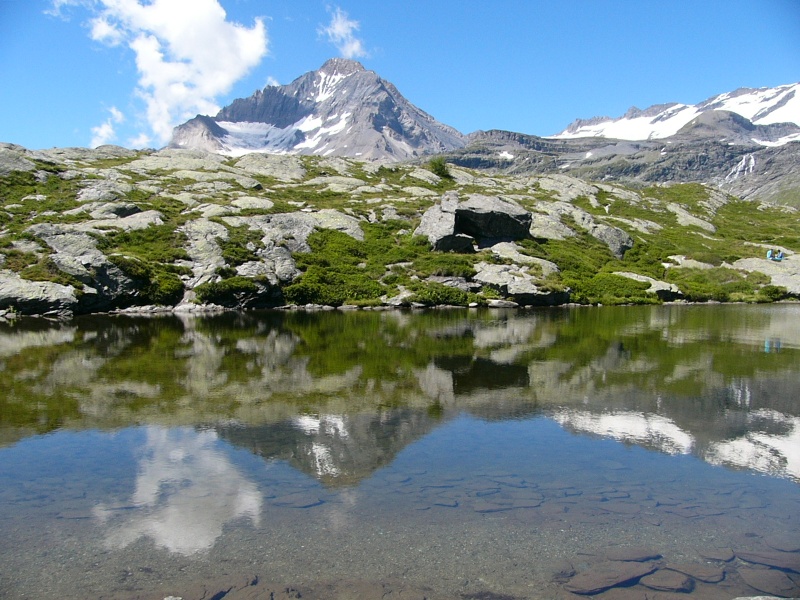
pixel 203 249
pixel 567 188
pixel 617 240
pixel 251 203
pixel 548 227
pixel 687 219
pixel 104 191
pixel 282 168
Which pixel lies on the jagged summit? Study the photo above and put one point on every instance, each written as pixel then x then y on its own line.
pixel 342 109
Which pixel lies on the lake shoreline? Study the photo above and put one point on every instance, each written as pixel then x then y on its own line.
pixel 9 315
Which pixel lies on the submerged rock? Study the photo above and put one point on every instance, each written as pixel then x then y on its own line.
pixel 668 581
pixel 604 576
pixel 770 581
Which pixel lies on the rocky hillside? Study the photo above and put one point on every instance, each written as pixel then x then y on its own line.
pixel 713 149
pixel 341 110
pixel 85 231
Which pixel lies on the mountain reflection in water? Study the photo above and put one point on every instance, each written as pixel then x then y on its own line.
pixel 338 396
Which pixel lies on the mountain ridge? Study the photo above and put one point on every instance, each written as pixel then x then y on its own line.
pixel 762 106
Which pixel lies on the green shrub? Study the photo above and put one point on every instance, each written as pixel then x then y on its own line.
pixel 227 292
pixel 332 288
pixel 444 264
pixel 702 285
pixel 438 166
pixel 157 284
pixel 772 293
pixel 156 243
pixel 235 249
pixel 16 260
pixel 46 270
pixel 435 294
pixel 607 288
pixel 165 289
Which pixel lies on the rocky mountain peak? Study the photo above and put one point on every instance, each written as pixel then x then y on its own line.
pixel 341 66
pixel 341 109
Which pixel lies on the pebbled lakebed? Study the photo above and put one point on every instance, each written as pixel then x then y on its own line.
pixel 612 452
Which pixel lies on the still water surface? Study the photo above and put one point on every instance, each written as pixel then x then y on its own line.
pixel 446 454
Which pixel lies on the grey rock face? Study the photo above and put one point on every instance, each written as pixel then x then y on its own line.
pixel 491 217
pixel 76 253
pixel 617 240
pixel 13 158
pixel 785 273
pixel 549 227
pixel 514 281
pixel 342 110
pixel 203 249
pixel 511 251
pixel 35 297
pixel 438 224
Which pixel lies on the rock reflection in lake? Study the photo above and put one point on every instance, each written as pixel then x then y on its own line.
pixel 305 447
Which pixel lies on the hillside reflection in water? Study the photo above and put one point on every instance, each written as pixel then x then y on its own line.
pixel 183 434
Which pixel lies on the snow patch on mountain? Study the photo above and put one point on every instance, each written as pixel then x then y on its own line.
pixel 762 106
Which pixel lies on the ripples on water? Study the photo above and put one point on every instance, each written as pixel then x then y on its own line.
pixel 451 454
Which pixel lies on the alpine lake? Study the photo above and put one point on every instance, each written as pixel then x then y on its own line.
pixel 610 452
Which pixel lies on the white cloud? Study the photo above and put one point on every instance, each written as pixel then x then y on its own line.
pixel 105 133
pixel 271 81
pixel 187 53
pixel 140 141
pixel 340 32
pixel 57 5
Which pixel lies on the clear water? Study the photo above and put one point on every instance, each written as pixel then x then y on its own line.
pixel 446 454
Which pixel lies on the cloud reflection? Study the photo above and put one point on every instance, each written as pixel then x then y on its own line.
pixel 647 429
pixel 186 491
pixel 776 453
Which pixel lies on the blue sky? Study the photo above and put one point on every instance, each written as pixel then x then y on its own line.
pixel 81 72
